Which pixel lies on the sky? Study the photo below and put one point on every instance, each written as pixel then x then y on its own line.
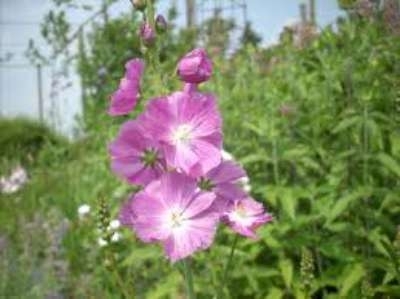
pixel 20 19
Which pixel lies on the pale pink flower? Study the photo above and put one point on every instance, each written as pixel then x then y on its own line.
pixel 175 212
pixel 125 98
pixel 134 156
pixel 223 180
pixel 245 215
pixel 188 127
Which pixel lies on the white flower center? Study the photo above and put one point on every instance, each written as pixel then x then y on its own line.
pixel 240 212
pixel 240 215
pixel 175 219
pixel 182 134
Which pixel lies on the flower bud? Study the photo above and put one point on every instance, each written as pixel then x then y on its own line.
pixel 161 24
pixel 139 4
pixel 195 67
pixel 147 34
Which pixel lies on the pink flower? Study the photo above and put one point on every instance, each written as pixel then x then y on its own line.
pixel 174 212
pixel 125 98
pixel 147 34
pixel 223 180
pixel 245 215
pixel 188 127
pixel 195 67
pixel 134 156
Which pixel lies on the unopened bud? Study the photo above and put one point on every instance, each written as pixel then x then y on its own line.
pixel 195 67
pixel 139 4
pixel 161 24
pixel 147 34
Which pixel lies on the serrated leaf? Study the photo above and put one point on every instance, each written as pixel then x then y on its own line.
pixel 274 293
pixel 286 268
pixel 140 255
pixel 288 203
pixel 343 203
pixel 351 278
pixel 165 287
pixel 346 124
pixel 254 128
pixel 390 163
pixel 254 158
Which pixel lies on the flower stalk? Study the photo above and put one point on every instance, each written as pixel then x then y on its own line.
pixel 228 266
pixel 187 270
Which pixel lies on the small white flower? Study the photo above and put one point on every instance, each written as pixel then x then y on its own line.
pixel 13 183
pixel 244 180
pixel 247 188
pixel 101 242
pixel 8 187
pixel 19 176
pixel 83 210
pixel 244 183
pixel 226 156
pixel 115 237
pixel 114 224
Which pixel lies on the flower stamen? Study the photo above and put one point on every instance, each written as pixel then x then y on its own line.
pixel 182 134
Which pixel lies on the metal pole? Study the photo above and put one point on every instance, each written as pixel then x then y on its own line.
pixel 190 13
pixel 105 12
pixel 312 11
pixel 303 13
pixel 40 91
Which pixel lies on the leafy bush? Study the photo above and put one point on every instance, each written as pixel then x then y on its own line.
pixel 21 139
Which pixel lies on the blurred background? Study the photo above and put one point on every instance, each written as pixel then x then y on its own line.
pixel 56 99
pixel 310 96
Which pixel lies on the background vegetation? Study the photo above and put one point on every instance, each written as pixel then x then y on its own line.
pixel 317 127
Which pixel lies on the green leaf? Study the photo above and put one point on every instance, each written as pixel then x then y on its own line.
pixel 254 128
pixel 288 203
pixel 346 124
pixel 390 163
pixel 343 204
pixel 254 158
pixel 351 278
pixel 286 268
pixel 274 293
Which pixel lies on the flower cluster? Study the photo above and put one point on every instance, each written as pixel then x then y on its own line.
pixel 174 151
pixel 14 182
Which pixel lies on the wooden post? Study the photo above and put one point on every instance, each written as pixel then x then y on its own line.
pixel 190 13
pixel 105 11
pixel 312 11
pixel 303 13
pixel 40 92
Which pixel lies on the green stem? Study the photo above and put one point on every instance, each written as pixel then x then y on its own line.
pixel 188 279
pixel 275 161
pixel 365 149
pixel 150 13
pixel 228 266
pixel 117 276
pixel 365 146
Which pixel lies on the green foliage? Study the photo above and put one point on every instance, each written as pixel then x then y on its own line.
pixel 318 135
pixel 22 139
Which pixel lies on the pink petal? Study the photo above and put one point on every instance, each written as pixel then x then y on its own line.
pixel 199 204
pixel 178 189
pixel 198 235
pixel 150 214
pixel 208 155
pixel 227 171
